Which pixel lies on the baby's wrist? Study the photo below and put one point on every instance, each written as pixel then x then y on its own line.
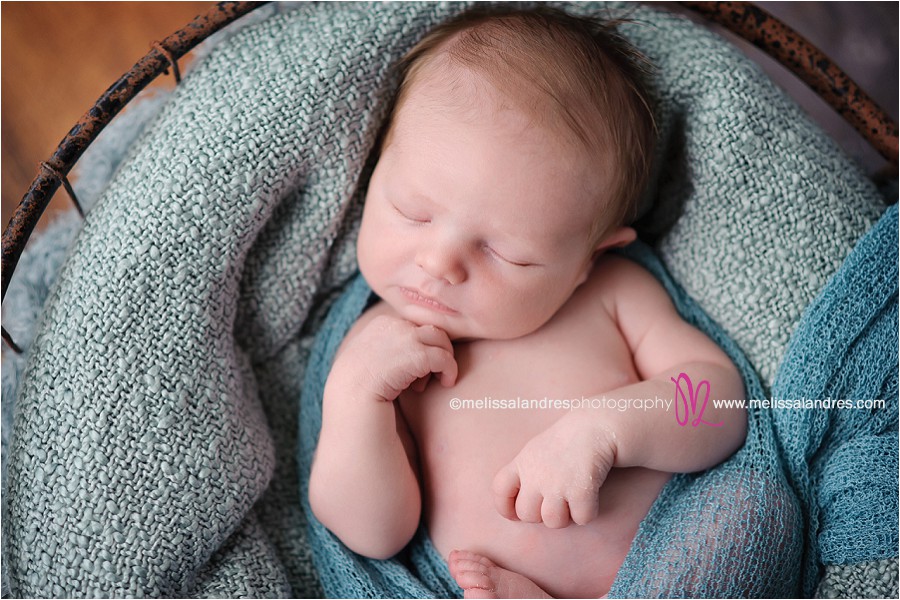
pixel 350 387
pixel 607 446
pixel 604 440
pixel 619 436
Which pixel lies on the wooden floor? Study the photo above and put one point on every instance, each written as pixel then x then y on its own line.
pixel 57 59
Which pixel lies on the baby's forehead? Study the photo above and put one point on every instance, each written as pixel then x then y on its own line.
pixel 471 94
pixel 458 94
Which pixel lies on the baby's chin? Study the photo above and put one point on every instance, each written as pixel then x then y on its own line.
pixel 453 331
pixel 455 334
pixel 463 335
pixel 459 330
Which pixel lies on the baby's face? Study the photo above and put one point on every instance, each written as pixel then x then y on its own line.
pixel 476 219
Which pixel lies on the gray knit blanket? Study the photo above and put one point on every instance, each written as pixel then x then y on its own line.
pixel 156 418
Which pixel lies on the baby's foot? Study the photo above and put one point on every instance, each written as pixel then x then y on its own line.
pixel 479 577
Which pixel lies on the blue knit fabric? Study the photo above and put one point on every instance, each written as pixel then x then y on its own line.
pixel 843 463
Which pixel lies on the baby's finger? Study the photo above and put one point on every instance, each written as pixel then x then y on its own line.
pixel 555 512
pixel 441 361
pixel 528 506
pixel 434 336
pixel 583 507
pixel 505 488
pixel 421 383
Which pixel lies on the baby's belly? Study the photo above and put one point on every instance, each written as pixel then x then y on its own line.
pixel 461 449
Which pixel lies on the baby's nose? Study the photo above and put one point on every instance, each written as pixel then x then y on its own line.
pixel 442 264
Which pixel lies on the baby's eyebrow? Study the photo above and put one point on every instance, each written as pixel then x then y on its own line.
pixel 414 196
pixel 421 197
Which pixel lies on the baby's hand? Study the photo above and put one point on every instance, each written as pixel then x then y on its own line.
pixel 555 479
pixel 390 355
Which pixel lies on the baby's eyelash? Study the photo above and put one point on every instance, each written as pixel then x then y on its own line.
pixel 407 217
pixel 506 260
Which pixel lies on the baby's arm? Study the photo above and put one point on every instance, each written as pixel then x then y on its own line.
pixel 363 484
pixel 665 348
pixel 556 477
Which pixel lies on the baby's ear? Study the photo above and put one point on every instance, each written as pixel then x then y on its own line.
pixel 615 239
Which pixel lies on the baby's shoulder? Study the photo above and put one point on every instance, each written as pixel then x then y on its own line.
pixel 625 288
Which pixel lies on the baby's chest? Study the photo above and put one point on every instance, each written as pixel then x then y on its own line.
pixel 519 382
pixel 565 358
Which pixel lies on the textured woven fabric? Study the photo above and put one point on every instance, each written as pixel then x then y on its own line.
pixel 877 579
pixel 155 427
pixel 46 251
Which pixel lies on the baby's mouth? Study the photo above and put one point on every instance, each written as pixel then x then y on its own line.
pixel 428 302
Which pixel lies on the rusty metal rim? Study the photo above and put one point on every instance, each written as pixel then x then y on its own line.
pixel 810 65
pixel 742 18
pixel 53 173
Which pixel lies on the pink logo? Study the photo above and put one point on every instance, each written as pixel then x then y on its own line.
pixel 689 402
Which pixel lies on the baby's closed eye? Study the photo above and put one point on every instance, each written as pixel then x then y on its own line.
pixel 507 257
pixel 410 215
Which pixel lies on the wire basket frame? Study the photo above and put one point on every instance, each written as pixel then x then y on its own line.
pixel 53 172
pixel 749 22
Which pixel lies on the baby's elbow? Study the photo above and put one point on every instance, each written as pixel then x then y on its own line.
pixel 381 538
pixel 325 506
pixel 738 416
pixel 732 396
pixel 364 534
pixel 378 540
pixel 318 496
pixel 379 549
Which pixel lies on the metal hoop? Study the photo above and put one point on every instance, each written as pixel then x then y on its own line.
pixel 94 120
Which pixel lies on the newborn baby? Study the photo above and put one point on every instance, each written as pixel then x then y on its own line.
pixel 513 160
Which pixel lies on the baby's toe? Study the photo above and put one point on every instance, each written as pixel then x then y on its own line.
pixel 457 556
pixel 474 580
pixel 471 572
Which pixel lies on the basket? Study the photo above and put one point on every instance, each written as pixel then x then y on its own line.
pixel 749 22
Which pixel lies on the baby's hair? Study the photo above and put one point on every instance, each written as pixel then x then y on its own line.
pixel 582 68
